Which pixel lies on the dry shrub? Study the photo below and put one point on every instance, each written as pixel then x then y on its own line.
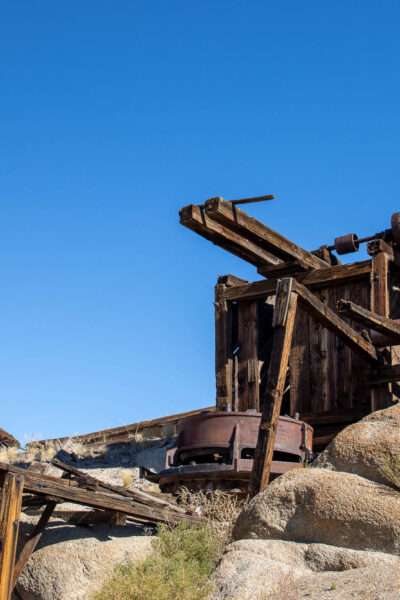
pixel 183 557
pixel 179 567
pixel 220 510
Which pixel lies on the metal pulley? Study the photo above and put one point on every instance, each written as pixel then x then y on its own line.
pixel 345 244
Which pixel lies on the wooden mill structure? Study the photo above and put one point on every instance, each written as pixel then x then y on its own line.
pixel 315 338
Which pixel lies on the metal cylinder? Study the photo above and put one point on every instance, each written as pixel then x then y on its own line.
pixel 345 244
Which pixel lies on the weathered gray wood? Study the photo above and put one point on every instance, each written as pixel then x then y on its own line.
pixel 272 401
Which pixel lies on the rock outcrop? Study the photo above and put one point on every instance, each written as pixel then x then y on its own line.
pixel 331 532
pixel 369 448
pixel 269 569
pixel 73 562
pixel 321 506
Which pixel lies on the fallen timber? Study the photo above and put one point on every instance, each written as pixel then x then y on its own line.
pixel 24 488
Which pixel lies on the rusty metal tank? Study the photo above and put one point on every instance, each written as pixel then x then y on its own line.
pixel 215 450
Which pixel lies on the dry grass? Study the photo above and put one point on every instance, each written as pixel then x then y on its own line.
pixel 127 477
pixel 220 510
pixel 183 557
pixel 179 567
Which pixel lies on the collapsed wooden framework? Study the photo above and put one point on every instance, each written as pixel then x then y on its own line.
pixel 25 488
pixel 315 338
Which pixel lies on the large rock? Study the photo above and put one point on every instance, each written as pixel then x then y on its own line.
pixel 73 562
pixel 260 569
pixel 321 506
pixel 369 448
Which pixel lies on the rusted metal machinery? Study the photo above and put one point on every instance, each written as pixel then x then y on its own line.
pixel 215 450
pixel 315 338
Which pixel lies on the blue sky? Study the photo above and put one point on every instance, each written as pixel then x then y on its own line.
pixel 113 115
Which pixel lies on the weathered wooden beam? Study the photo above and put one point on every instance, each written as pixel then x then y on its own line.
pixel 9 527
pixel 317 279
pixel 283 324
pixel 329 319
pixel 248 366
pixel 196 219
pixel 231 280
pixel 286 269
pixel 264 237
pixel 90 482
pixel 376 246
pixel 60 489
pixel 385 374
pixel 380 296
pixel 33 540
pixel 370 319
pixel 223 350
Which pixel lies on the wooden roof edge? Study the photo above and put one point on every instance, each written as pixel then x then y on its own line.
pixel 131 428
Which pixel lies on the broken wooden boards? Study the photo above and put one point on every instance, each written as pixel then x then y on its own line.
pixel 23 487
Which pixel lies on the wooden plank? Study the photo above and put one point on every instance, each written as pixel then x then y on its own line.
pixel 60 489
pixel 328 277
pixel 285 269
pixel 248 363
pixel 272 402
pixel 231 280
pixel 33 540
pixel 124 432
pixel 84 479
pixel 264 237
pixel 329 319
pixel 370 319
pixel 9 526
pixel 299 365
pixel 223 350
pixel 381 397
pixel 197 220
pixel 385 374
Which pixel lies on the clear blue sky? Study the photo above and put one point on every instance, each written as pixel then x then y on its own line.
pixel 113 115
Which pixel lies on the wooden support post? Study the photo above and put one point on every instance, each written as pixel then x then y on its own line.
pixel 223 354
pixel 248 363
pixel 9 526
pixel 283 324
pixel 33 540
pixel 381 397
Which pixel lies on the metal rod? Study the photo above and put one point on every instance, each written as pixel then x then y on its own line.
pixel 255 199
